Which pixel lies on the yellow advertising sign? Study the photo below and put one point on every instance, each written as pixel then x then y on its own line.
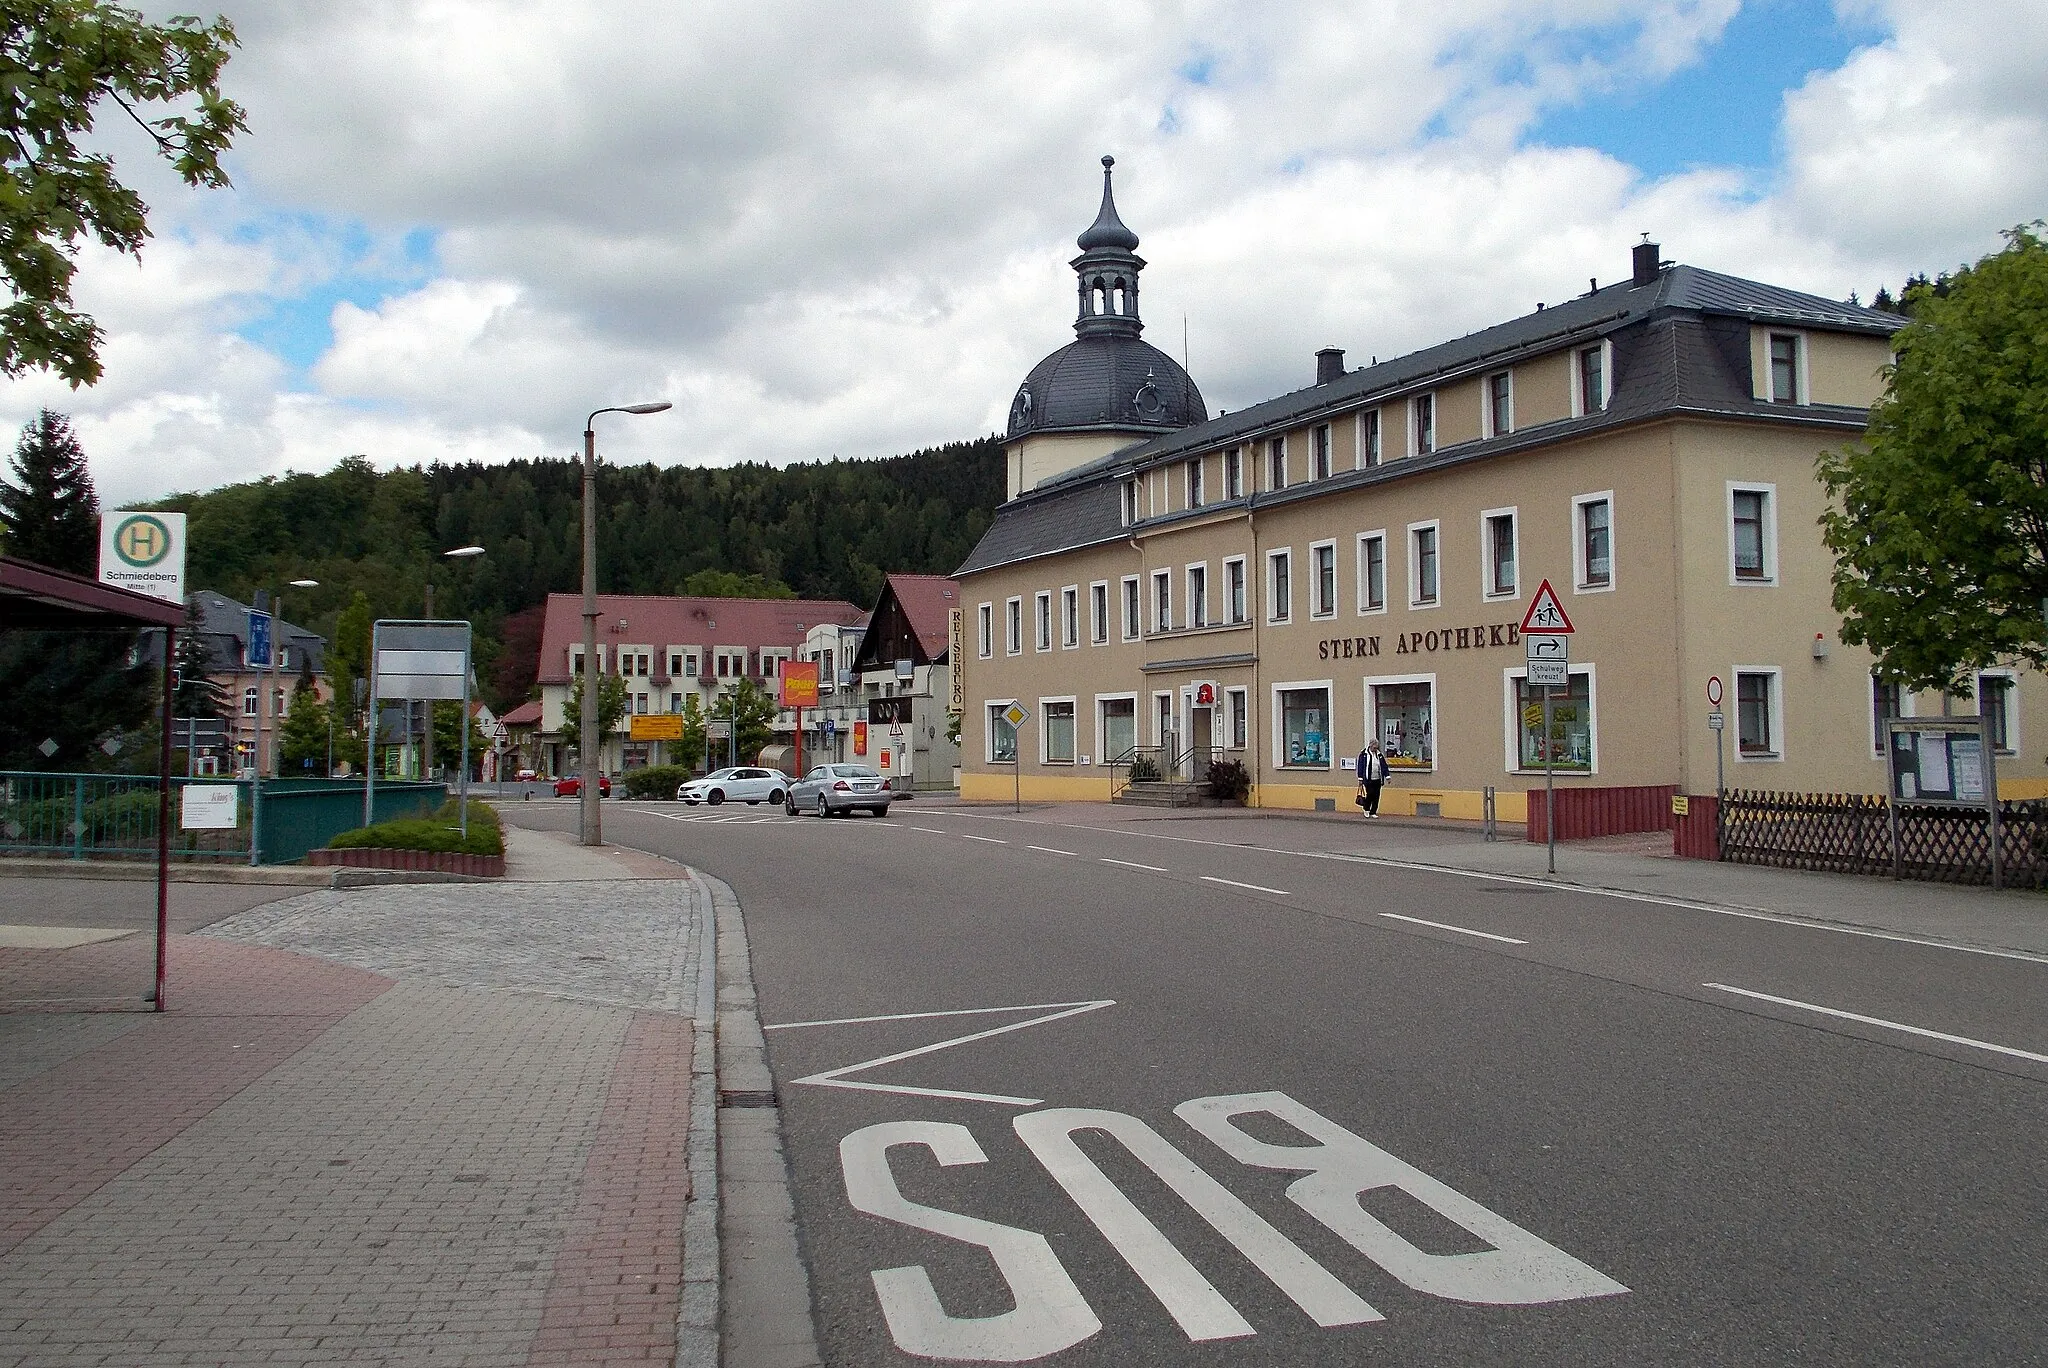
pixel 799 683
pixel 657 727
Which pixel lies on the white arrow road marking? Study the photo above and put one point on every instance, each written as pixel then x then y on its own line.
pixel 836 1078
pixel 1880 1021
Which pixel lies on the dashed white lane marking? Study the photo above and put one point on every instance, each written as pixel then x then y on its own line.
pixel 989 839
pixel 932 831
pixel 1256 888
pixel 1049 850
pixel 1461 930
pixel 1528 881
pixel 1133 864
pixel 1921 1031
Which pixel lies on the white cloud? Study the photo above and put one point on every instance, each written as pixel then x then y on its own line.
pixel 843 230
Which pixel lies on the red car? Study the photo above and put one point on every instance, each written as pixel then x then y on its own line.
pixel 571 786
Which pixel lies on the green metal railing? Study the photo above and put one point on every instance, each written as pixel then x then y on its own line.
pixel 114 816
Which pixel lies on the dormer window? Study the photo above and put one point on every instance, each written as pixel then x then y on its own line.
pixel 1130 501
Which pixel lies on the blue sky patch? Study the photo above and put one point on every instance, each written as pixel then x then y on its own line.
pixel 296 327
pixel 1723 111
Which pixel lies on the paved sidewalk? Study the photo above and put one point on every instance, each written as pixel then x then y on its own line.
pixel 443 1123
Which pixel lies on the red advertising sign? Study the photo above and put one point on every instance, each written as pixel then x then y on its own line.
pixel 860 738
pixel 799 683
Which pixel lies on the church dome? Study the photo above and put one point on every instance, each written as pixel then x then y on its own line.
pixel 1106 382
pixel 1107 377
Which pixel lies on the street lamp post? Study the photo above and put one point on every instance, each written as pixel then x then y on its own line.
pixel 427 743
pixel 275 762
pixel 590 827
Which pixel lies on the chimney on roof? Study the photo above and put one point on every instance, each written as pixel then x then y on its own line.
pixel 1646 262
pixel 1329 365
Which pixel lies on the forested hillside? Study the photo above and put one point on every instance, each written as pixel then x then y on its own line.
pixel 826 529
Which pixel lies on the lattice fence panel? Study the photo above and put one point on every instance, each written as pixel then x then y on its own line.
pixel 1849 833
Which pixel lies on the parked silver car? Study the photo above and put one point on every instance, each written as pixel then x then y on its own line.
pixel 742 783
pixel 831 790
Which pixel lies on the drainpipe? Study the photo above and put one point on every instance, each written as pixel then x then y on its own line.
pixel 1253 592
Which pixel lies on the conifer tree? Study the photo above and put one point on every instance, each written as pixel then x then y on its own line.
pixel 49 512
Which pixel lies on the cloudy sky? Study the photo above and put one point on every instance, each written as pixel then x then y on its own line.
pixel 459 225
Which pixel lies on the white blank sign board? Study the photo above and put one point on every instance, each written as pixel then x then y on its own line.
pixel 208 807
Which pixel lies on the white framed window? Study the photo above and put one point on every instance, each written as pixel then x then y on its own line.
pixel 1372 572
pixel 1276 463
pixel 1759 713
pixel 1198 594
pixel 252 698
pixel 1116 726
pixel 1319 451
pixel 1132 627
pixel 1098 612
pixel 1233 473
pixel 1425 569
pixel 1280 585
pixel 1056 731
pixel 1593 542
pixel 1301 725
pixel 985 630
pixel 1131 501
pixel 1070 616
pixel 1997 698
pixel 1888 699
pixel 1002 737
pixel 1590 388
pixel 1368 453
pixel 1195 483
pixel 1162 600
pixel 1787 376
pixel 1235 607
pixel 1041 620
pixel 1400 714
pixel 1574 738
pixel 1322 579
pixel 1500 403
pixel 1013 627
pixel 1422 424
pixel 1752 533
pixel 1499 548
pixel 1239 703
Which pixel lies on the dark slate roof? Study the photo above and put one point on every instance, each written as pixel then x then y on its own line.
pixel 1108 230
pixel 1075 516
pixel 224 627
pixel 1681 344
pixel 1112 381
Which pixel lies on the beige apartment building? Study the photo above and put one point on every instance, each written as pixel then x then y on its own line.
pixel 1354 560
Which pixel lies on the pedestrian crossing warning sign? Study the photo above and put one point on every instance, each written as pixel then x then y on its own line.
pixel 1546 614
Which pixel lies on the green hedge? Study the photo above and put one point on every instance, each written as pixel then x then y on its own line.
pixel 439 832
pixel 655 781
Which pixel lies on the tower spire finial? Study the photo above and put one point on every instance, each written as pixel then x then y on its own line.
pixel 1108 230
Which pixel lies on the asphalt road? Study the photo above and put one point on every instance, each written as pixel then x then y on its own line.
pixel 1587 1130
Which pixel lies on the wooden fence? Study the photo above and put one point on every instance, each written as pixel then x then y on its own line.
pixel 1850 833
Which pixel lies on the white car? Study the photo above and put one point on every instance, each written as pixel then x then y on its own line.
pixel 742 783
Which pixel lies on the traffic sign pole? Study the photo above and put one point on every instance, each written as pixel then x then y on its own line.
pixel 1549 785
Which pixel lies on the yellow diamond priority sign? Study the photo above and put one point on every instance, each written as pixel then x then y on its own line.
pixel 1016 714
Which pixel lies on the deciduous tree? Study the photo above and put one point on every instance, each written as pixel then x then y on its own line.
pixel 62 64
pixel 1939 518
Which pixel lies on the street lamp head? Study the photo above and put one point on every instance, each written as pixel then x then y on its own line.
pixel 655 407
pixel 305 584
pixel 463 552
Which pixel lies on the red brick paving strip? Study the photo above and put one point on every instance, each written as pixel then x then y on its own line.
pixel 617 1282
pixel 236 1013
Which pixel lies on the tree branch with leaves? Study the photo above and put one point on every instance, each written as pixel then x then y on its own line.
pixel 61 63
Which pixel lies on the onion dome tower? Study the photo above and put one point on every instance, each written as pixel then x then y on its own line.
pixel 1108 387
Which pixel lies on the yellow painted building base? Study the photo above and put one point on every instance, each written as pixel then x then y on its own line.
pixel 1036 788
pixel 1468 805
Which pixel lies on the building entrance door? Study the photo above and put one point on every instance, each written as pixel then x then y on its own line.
pixel 1201 738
